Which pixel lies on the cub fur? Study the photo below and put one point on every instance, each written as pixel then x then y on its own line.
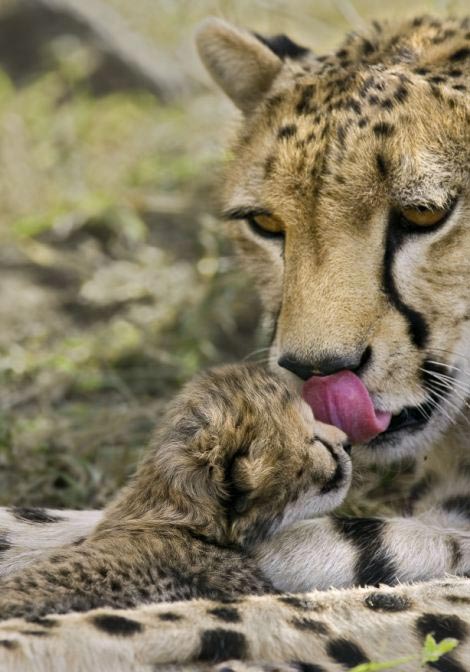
pixel 238 457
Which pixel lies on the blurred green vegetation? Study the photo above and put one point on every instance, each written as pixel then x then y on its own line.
pixel 117 284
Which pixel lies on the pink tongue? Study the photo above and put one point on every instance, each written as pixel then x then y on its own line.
pixel 343 400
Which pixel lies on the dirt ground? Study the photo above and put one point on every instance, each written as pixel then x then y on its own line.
pixel 116 282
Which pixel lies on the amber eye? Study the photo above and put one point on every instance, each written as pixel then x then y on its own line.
pixel 423 217
pixel 267 226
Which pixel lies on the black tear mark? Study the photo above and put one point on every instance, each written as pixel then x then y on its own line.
pixel 373 565
pixel 387 602
pixel 116 625
pixel 283 46
pixel 346 653
pixel 34 515
pixel 219 645
pixel 228 614
pixel 417 326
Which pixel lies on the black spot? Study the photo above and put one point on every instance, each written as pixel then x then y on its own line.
pixel 387 602
pixel 303 106
pixel 447 663
pixel 420 489
pixel 460 55
pixel 374 100
pixel 228 614
pixel 79 542
pixel 455 551
pixel 457 504
pixel 346 653
pixel 387 104
pixel 455 73
pixel 442 626
pixel 116 625
pixel 459 87
pixel 417 326
pixel 401 94
pixel 354 105
pixel 383 129
pixel 367 48
pixel 45 622
pixel 115 586
pixel 287 131
pixel 294 601
pixel 437 79
pixel 458 599
pixel 4 544
pixel 8 644
pixel 373 566
pixel 363 122
pixel 283 46
pixel 219 645
pixel 169 616
pixel 381 165
pixel 34 515
pixel 311 625
pixel 307 667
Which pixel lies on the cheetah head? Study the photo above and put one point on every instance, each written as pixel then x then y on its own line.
pixel 348 195
pixel 246 458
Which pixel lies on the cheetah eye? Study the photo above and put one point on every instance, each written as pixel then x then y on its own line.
pixel 266 226
pixel 423 218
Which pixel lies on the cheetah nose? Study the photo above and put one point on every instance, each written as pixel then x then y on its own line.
pixel 347 447
pixel 326 365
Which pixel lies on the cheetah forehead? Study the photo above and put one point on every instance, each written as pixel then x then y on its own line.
pixel 390 103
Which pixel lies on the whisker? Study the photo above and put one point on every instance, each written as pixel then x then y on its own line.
pixel 450 366
pixel 442 410
pixel 451 383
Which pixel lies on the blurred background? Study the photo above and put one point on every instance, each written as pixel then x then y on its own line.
pixel 116 282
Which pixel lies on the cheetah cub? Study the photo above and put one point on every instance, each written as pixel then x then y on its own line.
pixel 237 457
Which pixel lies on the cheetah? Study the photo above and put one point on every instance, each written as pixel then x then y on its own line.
pixel 347 196
pixel 238 457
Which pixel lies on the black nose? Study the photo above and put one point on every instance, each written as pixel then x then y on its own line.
pixel 326 365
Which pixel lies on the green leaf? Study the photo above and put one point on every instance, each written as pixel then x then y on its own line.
pixel 433 650
pixel 386 665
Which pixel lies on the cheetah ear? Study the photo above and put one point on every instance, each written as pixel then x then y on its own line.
pixel 242 65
